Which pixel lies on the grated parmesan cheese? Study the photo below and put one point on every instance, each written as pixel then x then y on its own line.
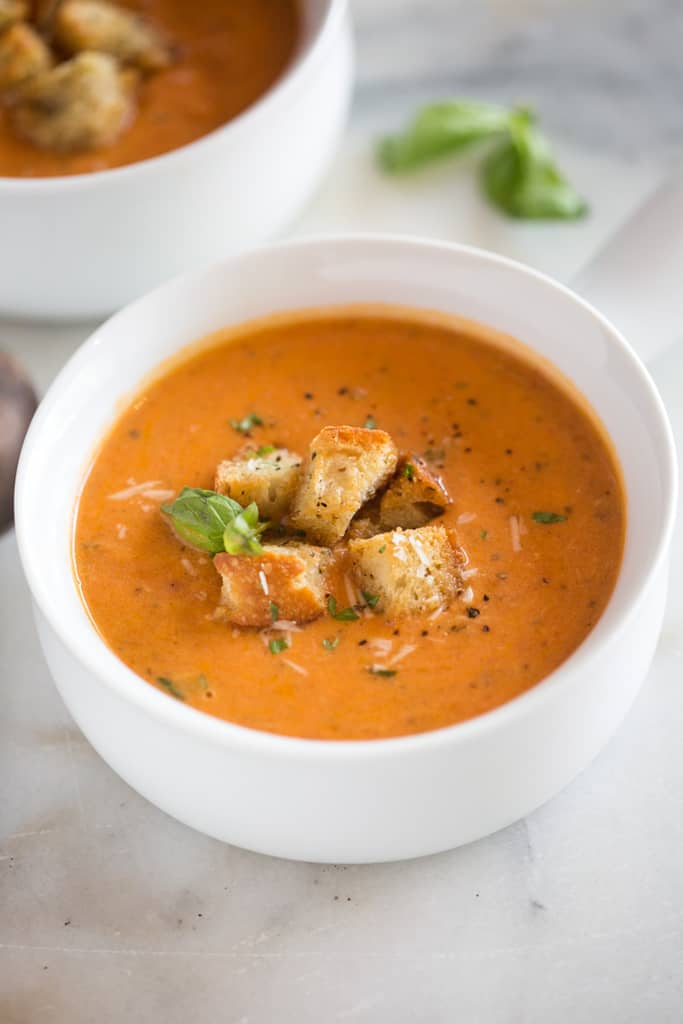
pixel 514 534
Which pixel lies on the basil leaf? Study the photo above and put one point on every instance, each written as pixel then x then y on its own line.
pixel 548 517
pixel 200 517
pixel 330 644
pixel 241 534
pixel 370 599
pixel 520 177
pixel 440 129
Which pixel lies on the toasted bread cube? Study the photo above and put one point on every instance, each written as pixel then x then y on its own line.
pixel 412 572
pixel 270 479
pixel 344 468
pixel 81 104
pixel 289 576
pixel 97 25
pixel 22 55
pixel 414 496
pixel 12 11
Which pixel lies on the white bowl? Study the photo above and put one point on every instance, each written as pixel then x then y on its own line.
pixel 82 246
pixel 349 801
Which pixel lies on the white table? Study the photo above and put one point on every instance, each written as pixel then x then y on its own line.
pixel 110 911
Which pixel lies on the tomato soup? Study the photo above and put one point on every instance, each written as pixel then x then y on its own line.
pixel 226 56
pixel 537 507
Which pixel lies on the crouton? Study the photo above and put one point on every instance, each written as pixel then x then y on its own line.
pixel 285 581
pixel 414 496
pixel 97 25
pixel 12 11
pixel 81 104
pixel 269 478
pixel 22 55
pixel 344 468
pixel 411 572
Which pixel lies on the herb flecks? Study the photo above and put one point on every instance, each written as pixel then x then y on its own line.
pixel 278 645
pixel 171 687
pixel 343 615
pixel 409 471
pixel 548 517
pixel 370 599
pixel 247 423
pixel 484 534
pixel 263 450
pixel 385 673
pixel 329 643
pixel 274 611
pixel 370 422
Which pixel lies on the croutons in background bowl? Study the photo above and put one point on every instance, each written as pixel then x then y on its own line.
pixel 349 801
pixel 81 246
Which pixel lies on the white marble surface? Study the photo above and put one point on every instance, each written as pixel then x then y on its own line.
pixel 110 911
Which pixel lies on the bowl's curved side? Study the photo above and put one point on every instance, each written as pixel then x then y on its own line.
pixel 110 237
pixel 365 809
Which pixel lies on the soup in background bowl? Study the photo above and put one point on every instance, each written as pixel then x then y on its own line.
pixel 411 793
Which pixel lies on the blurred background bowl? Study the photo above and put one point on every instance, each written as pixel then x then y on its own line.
pixel 79 247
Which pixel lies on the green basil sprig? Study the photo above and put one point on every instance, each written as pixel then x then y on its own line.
pixel 213 522
pixel 518 175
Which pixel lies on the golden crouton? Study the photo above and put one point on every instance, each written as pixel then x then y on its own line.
pixel 12 11
pixel 411 572
pixel 98 25
pixel 22 55
pixel 83 103
pixel 283 582
pixel 414 496
pixel 344 468
pixel 269 478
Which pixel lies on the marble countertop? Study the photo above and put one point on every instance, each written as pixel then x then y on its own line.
pixel 111 911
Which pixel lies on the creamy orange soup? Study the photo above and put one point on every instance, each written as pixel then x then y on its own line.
pixel 538 508
pixel 227 55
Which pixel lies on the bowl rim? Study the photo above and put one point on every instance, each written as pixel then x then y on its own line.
pixel 109 670
pixel 278 93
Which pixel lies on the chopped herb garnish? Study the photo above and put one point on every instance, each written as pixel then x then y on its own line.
pixel 330 644
pixel 370 599
pixel 386 673
pixel 274 611
pixel 370 423
pixel 244 425
pixel 265 449
pixel 213 522
pixel 472 613
pixel 409 471
pixel 484 534
pixel 382 549
pixel 171 687
pixel 548 517
pixel 345 615
pixel 278 645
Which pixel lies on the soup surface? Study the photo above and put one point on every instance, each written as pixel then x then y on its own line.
pixel 537 505
pixel 228 54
